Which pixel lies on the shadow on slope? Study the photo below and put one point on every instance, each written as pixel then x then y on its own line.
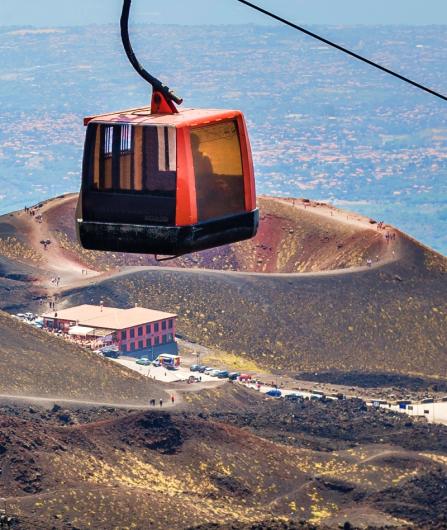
pixel 34 363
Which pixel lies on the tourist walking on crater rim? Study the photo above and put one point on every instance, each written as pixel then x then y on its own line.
pixel 172 399
pixel 161 402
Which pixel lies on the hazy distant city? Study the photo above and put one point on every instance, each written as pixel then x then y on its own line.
pixel 322 126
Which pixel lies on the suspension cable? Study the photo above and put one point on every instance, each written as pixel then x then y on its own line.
pixel 156 83
pixel 342 49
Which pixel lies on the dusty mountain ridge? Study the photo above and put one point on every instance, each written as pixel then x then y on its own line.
pixel 227 458
pixel 295 235
pixel 371 299
pixel 209 470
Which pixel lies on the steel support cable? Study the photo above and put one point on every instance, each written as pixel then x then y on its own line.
pixel 341 48
pixel 156 83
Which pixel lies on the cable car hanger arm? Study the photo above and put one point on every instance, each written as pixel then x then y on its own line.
pixel 342 49
pixel 159 88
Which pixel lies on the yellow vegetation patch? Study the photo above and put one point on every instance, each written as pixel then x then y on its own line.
pixel 11 248
pixel 439 459
pixel 233 361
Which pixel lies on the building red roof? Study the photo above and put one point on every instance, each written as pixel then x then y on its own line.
pixel 109 317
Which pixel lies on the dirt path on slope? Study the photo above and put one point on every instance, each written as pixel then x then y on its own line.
pixel 392 252
pixel 175 390
pixel 331 212
pixel 390 249
pixel 55 261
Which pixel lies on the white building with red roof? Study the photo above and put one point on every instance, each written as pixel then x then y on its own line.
pixel 135 331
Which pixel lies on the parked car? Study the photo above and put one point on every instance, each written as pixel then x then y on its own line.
pixel 223 374
pixel 144 361
pixel 293 397
pixel 195 368
pixel 111 354
pixel 202 368
pixel 245 377
pixel 274 392
pixel 214 373
pixel 208 370
pixel 156 363
pixel 232 376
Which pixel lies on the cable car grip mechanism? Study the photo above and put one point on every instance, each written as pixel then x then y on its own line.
pixel 163 98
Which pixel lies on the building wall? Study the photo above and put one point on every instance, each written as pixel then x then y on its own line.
pixel 56 323
pixel 154 352
pixel 147 336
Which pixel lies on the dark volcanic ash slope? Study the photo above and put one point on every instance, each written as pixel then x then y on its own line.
pixel 184 469
pixel 34 363
pixel 391 317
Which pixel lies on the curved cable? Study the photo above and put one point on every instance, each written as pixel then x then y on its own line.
pixel 156 83
pixel 342 49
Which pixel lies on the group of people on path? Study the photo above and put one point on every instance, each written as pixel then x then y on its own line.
pixel 153 401
pixel 33 212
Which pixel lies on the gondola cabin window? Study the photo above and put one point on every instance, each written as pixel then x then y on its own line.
pixel 134 159
pixel 216 152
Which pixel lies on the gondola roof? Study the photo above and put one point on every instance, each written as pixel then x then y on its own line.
pixel 183 118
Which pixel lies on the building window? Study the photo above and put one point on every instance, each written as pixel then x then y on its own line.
pixel 132 346
pixel 169 337
pixel 140 345
pixel 148 329
pixel 157 341
pixel 132 333
pixel 156 327
pixel 140 331
pixel 123 335
pixel 163 325
pixel 164 339
pixel 171 323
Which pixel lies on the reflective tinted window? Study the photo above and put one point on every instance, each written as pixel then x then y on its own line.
pixel 218 170
pixel 132 158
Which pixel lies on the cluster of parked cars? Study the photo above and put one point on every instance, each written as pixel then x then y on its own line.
pixel 145 361
pixel 214 372
pixel 30 318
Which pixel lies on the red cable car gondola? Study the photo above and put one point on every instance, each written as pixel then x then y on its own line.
pixel 161 181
